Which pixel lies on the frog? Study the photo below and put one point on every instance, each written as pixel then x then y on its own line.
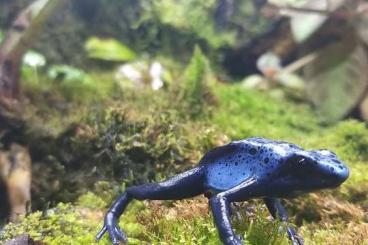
pixel 252 168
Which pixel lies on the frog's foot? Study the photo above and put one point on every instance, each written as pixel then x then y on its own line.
pixel 294 237
pixel 278 211
pixel 117 236
pixel 233 240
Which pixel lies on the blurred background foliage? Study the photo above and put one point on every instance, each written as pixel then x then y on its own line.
pixel 115 93
pixel 233 35
pixel 154 27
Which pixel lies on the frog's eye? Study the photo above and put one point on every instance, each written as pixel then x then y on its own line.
pixel 297 161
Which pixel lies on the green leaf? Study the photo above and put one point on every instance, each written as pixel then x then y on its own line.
pixel 108 49
pixel 68 73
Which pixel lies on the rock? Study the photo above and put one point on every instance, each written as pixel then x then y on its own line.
pixel 15 172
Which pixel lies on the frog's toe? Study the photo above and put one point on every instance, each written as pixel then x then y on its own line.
pixel 101 233
pixel 115 241
pixel 116 235
pixel 234 240
pixel 299 240
pixel 294 237
pixel 120 235
pixel 239 237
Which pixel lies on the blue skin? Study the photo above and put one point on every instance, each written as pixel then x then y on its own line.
pixel 236 172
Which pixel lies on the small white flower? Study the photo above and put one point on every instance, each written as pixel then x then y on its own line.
pixel 128 71
pixel 156 71
pixel 34 59
pixel 157 83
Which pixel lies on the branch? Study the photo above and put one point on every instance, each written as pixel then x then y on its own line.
pixel 300 63
pixel 18 39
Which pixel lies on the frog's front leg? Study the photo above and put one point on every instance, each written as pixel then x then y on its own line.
pixel 220 205
pixel 278 211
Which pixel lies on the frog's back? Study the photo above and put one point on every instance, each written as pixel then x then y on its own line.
pixel 231 164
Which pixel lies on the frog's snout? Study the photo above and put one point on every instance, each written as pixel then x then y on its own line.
pixel 337 174
pixel 341 173
pixel 336 171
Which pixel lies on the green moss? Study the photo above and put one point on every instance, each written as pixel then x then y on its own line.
pixel 136 143
pixel 336 233
pixel 60 225
pixel 67 84
pixel 142 136
pixel 350 138
pixel 170 226
pixel 67 224
pixel 243 113
pixel 194 231
pixel 259 228
pixel 91 200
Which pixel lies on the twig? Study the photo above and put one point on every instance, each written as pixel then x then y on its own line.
pixel 300 63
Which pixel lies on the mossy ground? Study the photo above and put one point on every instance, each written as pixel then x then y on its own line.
pixel 140 135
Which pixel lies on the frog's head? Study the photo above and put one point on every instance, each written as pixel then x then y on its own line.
pixel 305 171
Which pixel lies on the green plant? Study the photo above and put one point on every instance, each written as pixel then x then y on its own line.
pixel 192 16
pixel 74 83
pixel 32 60
pixel 108 50
pixel 195 85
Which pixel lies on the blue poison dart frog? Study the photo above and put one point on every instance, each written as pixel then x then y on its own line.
pixel 236 172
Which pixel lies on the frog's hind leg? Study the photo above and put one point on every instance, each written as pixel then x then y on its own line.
pixel 278 211
pixel 181 186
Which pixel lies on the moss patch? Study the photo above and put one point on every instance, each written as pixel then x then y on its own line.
pixel 141 136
